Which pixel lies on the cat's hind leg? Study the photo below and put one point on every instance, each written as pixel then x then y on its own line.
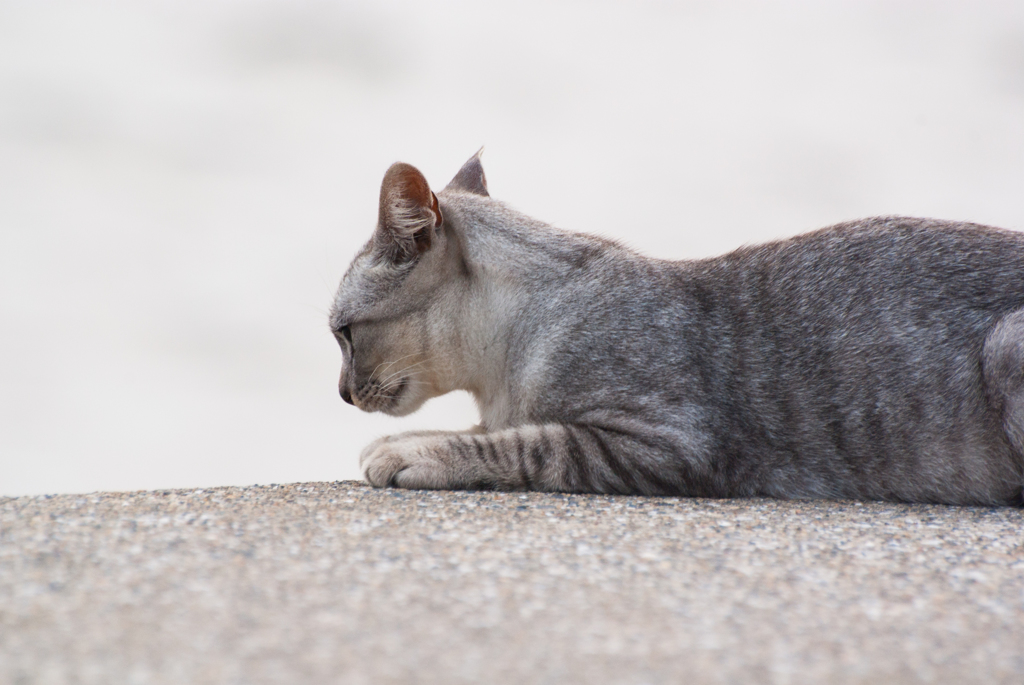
pixel 1003 371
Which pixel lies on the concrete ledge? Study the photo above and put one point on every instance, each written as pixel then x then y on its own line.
pixel 340 583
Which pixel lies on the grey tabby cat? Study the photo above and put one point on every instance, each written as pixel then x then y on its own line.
pixel 881 359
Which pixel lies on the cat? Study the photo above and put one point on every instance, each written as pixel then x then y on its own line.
pixel 880 359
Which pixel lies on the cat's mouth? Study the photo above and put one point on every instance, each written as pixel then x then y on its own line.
pixel 383 397
pixel 395 395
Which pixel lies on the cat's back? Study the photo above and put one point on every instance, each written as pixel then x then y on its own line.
pixel 853 289
pixel 866 280
pixel 889 259
pixel 872 299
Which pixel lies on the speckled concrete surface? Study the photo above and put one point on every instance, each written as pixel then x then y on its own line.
pixel 339 583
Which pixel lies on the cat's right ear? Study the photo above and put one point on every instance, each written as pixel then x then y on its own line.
pixel 409 213
pixel 470 178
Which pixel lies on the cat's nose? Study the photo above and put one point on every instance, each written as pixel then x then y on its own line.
pixel 345 394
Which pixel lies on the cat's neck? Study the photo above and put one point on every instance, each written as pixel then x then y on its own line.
pixel 492 339
pixel 518 267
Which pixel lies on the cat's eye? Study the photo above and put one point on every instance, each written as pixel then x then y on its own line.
pixel 346 333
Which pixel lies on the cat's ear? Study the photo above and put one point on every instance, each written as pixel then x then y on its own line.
pixel 470 178
pixel 409 212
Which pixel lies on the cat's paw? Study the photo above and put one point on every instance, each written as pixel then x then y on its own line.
pixel 406 461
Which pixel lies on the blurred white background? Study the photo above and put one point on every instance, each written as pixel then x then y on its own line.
pixel 183 183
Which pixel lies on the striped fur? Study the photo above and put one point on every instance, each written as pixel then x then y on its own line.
pixel 880 359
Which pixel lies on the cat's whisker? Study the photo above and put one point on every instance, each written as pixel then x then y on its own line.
pixel 400 381
pixel 390 364
pixel 411 366
pixel 402 374
pixel 392 375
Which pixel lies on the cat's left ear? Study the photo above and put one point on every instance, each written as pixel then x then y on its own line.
pixel 471 178
pixel 409 213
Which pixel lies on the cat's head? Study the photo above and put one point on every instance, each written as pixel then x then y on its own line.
pixel 399 302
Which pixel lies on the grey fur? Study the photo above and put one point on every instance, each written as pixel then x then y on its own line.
pixel 877 359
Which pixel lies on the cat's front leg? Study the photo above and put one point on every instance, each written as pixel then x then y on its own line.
pixel 411 435
pixel 548 457
pixel 427 460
